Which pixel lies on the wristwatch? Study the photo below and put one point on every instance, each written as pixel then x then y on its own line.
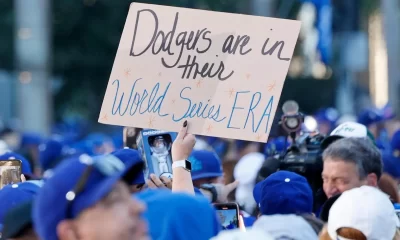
pixel 212 190
pixel 185 164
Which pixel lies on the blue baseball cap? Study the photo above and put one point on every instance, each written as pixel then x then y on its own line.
pixel 129 156
pixel 97 175
pixel 26 166
pixel 369 116
pixel 391 164
pixel 49 153
pixel 30 139
pixel 284 192
pixel 395 142
pixel 275 146
pixel 330 115
pixel 97 139
pixel 205 164
pixel 167 210
pixel 388 112
pixel 15 194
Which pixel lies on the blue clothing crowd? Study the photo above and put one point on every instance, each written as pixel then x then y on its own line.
pixel 76 185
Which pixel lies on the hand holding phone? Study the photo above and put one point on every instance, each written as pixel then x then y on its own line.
pixel 228 214
pixel 130 135
pixel 10 172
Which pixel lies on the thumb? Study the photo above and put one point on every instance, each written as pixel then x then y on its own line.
pixel 242 227
pixel 231 186
pixel 183 131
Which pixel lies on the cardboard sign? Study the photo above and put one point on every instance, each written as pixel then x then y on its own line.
pixel 222 72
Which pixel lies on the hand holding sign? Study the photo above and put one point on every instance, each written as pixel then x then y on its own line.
pixel 183 144
pixel 223 72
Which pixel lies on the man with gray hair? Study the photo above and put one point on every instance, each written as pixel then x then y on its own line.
pixel 350 163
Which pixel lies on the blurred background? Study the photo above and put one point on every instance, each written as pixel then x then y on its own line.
pixel 56 58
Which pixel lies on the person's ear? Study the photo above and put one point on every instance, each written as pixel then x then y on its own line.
pixel 66 230
pixel 372 180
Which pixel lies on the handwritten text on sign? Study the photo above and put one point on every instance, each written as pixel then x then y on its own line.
pixel 222 72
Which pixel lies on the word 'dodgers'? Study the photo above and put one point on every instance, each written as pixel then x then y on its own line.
pixel 222 72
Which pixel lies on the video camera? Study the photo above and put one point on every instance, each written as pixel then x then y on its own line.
pixel 303 156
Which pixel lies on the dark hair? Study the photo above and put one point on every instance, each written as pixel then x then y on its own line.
pixel 270 166
pixel 360 151
pixel 324 214
pixel 27 231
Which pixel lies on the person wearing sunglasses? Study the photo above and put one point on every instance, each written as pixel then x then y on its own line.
pixel 88 198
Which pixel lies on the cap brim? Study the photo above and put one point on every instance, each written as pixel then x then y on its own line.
pixel 257 192
pixel 205 175
pixel 139 179
pixel 103 188
pixel 29 177
pixel 329 140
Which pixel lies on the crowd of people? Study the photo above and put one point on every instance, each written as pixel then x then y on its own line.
pixel 95 188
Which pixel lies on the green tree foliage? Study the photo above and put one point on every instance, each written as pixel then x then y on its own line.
pixel 86 35
pixel 369 6
pixel 85 38
pixel 6 35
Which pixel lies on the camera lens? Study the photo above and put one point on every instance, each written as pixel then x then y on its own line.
pixel 290 107
pixel 292 123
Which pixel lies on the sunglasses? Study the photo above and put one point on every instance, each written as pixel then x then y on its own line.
pixel 107 165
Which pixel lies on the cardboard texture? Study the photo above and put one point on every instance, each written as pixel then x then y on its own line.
pixel 222 72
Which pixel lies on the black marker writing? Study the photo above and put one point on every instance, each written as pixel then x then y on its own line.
pixel 161 42
pixel 205 71
pixel 270 51
pixel 231 47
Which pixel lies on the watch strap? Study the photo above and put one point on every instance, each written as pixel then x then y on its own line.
pixel 180 163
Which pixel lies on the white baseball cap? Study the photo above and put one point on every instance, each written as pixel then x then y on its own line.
pixel 246 171
pixel 247 168
pixel 366 209
pixel 346 130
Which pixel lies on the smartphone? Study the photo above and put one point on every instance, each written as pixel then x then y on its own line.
pixel 10 172
pixel 228 214
pixel 130 135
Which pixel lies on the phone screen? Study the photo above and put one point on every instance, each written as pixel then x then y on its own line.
pixel 130 134
pixel 10 172
pixel 228 215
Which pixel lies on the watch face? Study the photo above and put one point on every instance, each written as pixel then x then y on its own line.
pixel 188 165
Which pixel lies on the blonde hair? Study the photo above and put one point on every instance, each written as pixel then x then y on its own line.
pixel 350 233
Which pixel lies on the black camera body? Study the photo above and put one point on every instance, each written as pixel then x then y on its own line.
pixel 303 156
